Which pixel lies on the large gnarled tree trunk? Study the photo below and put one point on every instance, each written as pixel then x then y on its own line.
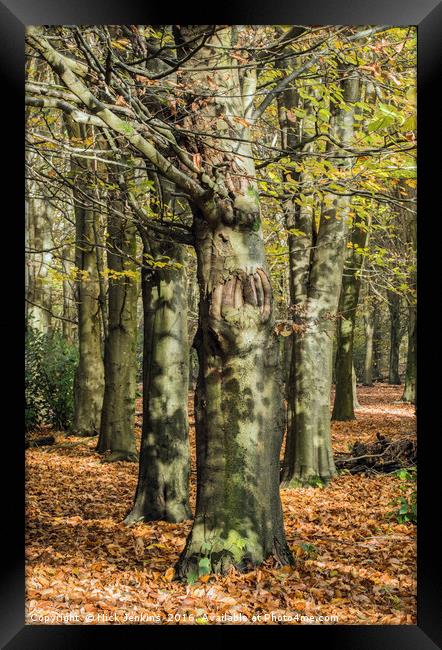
pixel 239 423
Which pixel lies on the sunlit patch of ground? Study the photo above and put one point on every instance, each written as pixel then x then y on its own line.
pixel 354 562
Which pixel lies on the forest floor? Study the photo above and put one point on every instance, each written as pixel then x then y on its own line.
pixel 354 563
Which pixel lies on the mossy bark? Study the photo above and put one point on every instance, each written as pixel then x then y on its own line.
pixel 162 490
pixel 343 407
pixel 118 412
pixel 239 421
pixel 316 266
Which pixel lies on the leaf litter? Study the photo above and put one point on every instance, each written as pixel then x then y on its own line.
pixel 353 561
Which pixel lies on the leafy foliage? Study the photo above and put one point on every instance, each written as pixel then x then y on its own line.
pixel 50 364
pixel 406 504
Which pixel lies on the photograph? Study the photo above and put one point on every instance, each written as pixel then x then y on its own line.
pixel 220 304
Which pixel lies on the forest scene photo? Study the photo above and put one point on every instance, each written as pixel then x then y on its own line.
pixel 220 324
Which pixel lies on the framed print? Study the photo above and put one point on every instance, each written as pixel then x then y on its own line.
pixel 225 236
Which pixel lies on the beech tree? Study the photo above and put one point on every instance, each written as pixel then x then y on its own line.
pixel 343 407
pixel 118 411
pixel 318 271
pixel 89 378
pixel 163 482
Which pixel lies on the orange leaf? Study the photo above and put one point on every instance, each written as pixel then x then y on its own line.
pixel 170 574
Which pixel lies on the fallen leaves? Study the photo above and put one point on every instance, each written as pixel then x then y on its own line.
pixel 352 562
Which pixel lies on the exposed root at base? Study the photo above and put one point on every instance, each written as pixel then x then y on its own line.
pixel 194 566
pixel 116 456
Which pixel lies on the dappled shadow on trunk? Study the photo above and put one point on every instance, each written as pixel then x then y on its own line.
pixel 162 491
pixel 238 414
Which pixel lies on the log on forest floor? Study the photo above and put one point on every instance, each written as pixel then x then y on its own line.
pixel 384 455
pixel 40 442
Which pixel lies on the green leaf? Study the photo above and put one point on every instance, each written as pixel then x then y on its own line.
pixel 192 577
pixel 203 566
pixel 390 110
pixel 381 123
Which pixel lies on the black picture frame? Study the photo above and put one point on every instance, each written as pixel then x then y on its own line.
pixel 427 15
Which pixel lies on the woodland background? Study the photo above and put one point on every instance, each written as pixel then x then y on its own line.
pixel 226 214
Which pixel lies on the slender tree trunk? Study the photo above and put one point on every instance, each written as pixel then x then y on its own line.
pixel 377 340
pixel 38 241
pixel 343 408
pixel 411 370
pixel 356 404
pixel 89 377
pixel 410 374
pixel 368 360
pixel 162 490
pixel 394 303
pixel 68 296
pixel 38 214
pixel 118 412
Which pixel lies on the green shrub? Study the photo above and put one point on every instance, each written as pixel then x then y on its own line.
pixel 36 408
pixel 405 504
pixel 50 363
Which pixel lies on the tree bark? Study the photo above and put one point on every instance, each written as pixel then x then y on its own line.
pixel 343 408
pixel 238 423
pixel 356 404
pixel 368 360
pixel 162 490
pixel 410 374
pixel 38 242
pixel 89 376
pixel 377 341
pixel 394 303
pixel 315 285
pixel 238 520
pixel 409 394
pixel 118 412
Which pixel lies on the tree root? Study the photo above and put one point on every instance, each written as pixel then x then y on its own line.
pixel 116 456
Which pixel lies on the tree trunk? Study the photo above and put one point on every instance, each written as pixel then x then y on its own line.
pixel 38 213
pixel 368 360
pixel 68 296
pixel 89 376
pixel 377 340
pixel 316 271
pixel 410 374
pixel 356 404
pixel 343 408
pixel 118 412
pixel 162 490
pixel 394 303
pixel 238 420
